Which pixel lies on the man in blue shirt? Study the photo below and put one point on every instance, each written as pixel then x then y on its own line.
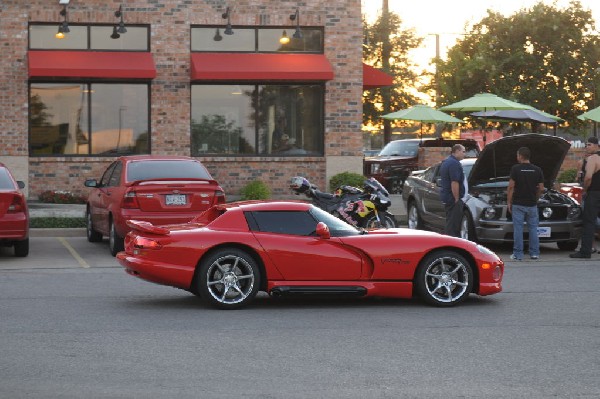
pixel 453 189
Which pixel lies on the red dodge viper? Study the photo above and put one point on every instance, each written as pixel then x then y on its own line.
pixel 231 251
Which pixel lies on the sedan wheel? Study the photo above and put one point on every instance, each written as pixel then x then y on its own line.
pixel 115 243
pixel 467 230
pixel 414 219
pixel 228 279
pixel 444 278
pixel 92 235
pixel 22 248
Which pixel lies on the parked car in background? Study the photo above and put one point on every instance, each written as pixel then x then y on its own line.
pixel 486 217
pixel 232 251
pixel 399 158
pixel 156 189
pixel 14 214
pixel 371 152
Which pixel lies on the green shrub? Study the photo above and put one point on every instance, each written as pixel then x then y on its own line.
pixel 346 179
pixel 56 222
pixel 255 190
pixel 568 176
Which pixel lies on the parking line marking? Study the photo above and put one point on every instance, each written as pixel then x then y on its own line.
pixel 79 259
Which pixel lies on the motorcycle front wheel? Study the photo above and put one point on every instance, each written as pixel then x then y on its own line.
pixel 385 221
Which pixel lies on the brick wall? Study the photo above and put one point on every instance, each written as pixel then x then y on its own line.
pixel 170 22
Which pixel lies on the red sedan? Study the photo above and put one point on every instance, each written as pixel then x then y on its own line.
pixel 14 215
pixel 156 189
pixel 232 251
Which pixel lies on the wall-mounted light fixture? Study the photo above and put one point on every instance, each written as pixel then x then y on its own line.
pixel 115 33
pixel 284 39
pixel 227 15
pixel 218 37
pixel 119 14
pixel 296 17
pixel 64 26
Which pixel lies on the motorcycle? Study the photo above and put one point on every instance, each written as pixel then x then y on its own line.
pixel 365 208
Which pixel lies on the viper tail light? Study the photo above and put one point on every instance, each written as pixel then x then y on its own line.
pixel 145 243
pixel 130 200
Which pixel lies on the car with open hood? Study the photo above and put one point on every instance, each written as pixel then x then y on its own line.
pixel 486 217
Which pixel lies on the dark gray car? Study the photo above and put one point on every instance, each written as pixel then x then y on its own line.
pixel 486 217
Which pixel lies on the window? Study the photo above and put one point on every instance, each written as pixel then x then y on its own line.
pixel 115 177
pixel 148 170
pixel 89 118
pixel 256 39
pixel 285 222
pixel 94 37
pixel 6 182
pixel 281 120
pixel 106 176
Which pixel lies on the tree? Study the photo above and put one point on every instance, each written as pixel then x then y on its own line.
pixel 386 34
pixel 543 56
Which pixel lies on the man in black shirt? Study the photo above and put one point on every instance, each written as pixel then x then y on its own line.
pixel 591 202
pixel 525 186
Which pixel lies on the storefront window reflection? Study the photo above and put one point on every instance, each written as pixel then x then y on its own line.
pixel 62 115
pixel 278 120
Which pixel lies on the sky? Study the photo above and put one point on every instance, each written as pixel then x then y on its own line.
pixel 448 18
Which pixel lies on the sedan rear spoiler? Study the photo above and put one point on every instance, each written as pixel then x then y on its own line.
pixel 147 227
pixel 179 180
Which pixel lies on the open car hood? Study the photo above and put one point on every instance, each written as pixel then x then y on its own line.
pixel 498 157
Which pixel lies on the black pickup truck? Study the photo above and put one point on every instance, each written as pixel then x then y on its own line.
pixel 399 158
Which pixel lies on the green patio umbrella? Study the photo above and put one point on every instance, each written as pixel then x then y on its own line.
pixel 422 113
pixel 593 115
pixel 484 102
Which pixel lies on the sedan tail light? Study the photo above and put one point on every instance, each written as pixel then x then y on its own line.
pixel 130 200
pixel 17 205
pixel 219 197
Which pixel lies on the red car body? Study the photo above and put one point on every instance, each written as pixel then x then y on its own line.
pixel 14 214
pixel 291 247
pixel 156 189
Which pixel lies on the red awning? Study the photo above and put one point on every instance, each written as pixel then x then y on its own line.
pixel 374 78
pixel 259 66
pixel 91 64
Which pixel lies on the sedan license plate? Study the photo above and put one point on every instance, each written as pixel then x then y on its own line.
pixel 544 232
pixel 176 199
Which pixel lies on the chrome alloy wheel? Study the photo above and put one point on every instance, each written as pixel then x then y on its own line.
pixel 447 279
pixel 413 217
pixel 230 279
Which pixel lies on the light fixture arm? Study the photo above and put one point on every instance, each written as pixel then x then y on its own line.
pixel 296 17
pixel 227 15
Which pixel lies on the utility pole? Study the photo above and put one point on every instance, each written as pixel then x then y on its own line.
pixel 386 50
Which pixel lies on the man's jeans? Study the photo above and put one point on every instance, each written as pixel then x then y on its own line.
pixel 520 214
pixel 590 215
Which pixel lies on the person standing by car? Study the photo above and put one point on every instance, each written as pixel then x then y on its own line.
pixel 525 187
pixel 453 189
pixel 591 195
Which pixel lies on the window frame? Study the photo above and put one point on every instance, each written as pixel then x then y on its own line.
pixel 257 152
pixel 89 37
pixel 88 83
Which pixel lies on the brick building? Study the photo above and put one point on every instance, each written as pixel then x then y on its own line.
pixel 206 78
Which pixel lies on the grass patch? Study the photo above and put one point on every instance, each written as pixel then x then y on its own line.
pixel 56 222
